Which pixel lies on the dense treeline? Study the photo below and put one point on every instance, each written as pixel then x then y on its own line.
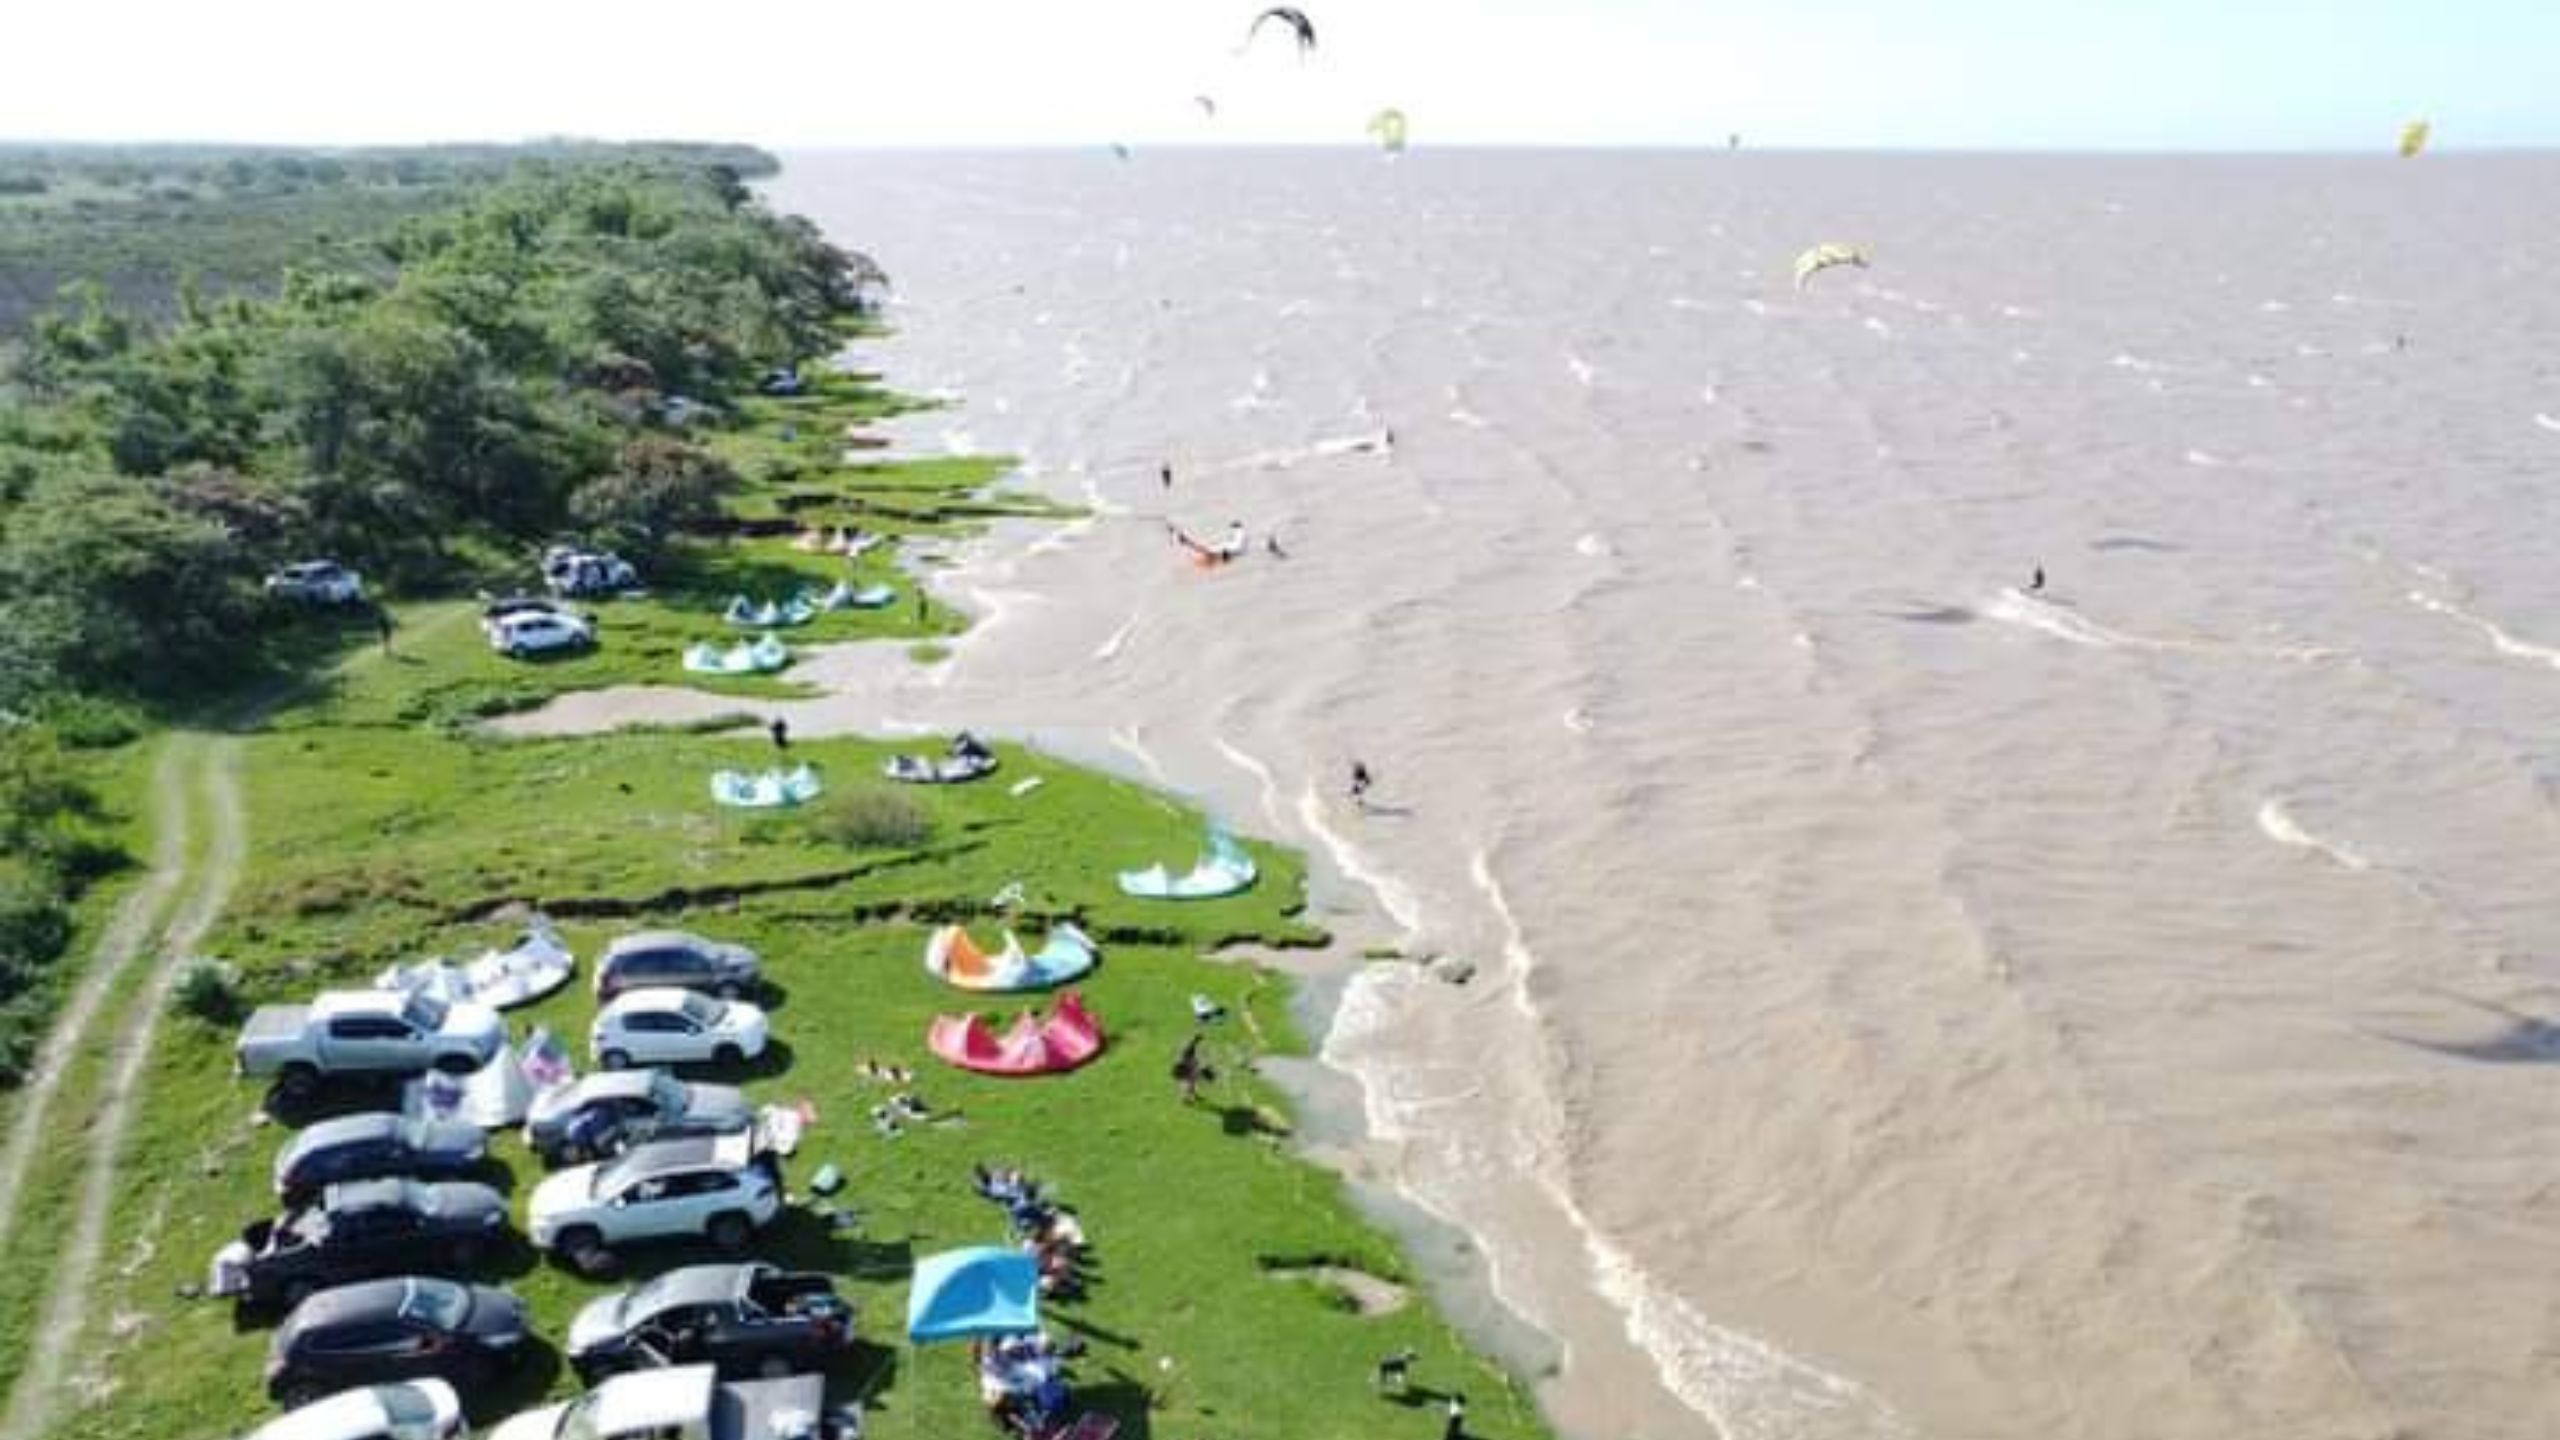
pixel 500 376
pixel 142 220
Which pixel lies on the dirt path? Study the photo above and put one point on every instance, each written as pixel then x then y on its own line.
pixel 212 773
pixel 133 923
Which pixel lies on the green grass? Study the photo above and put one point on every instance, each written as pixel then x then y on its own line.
pixel 376 837
pixel 371 845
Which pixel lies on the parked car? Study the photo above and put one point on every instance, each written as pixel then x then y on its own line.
pixel 715 1188
pixel 402 1410
pixel 751 1319
pixel 411 1328
pixel 605 1113
pixel 539 632
pixel 357 1231
pixel 493 611
pixel 678 958
pixel 317 582
pixel 376 1145
pixel 690 1403
pixel 366 1032
pixel 675 1027
pixel 569 570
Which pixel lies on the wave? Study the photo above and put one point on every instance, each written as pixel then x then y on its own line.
pixel 1259 771
pixel 2547 422
pixel 1128 743
pixel 2280 826
pixel 2206 460
pixel 2015 607
pixel 1578 720
pixel 1394 896
pixel 1878 327
pixel 1583 372
pixel 1110 649
pixel 2504 643
pixel 1593 546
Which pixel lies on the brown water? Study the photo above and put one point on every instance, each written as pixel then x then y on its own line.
pixel 1906 1005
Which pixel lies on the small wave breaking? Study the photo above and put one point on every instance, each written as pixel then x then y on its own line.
pixel 2279 825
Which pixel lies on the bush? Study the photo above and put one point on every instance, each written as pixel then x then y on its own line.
pixel 209 990
pixel 86 722
pixel 872 817
pixel 34 925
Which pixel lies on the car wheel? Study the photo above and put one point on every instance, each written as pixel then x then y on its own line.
pixel 614 1060
pixel 730 990
pixel 731 1232
pixel 298 1082
pixel 585 1251
pixel 773 1367
pixel 728 1055
pixel 294 1394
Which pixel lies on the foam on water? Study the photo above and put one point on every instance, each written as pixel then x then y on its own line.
pixel 1110 648
pixel 2547 421
pixel 2499 639
pixel 1271 809
pixel 1393 896
pixel 1592 546
pixel 2281 827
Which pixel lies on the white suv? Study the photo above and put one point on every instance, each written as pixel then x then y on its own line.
pixel 718 1188
pixel 676 1027
pixel 317 582
pixel 531 632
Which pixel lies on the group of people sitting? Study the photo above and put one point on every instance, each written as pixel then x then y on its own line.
pixel 1048 1232
pixel 1023 1381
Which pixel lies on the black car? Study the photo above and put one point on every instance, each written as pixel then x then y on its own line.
pixel 675 959
pixel 745 1319
pixel 411 1328
pixel 357 1231
pixel 373 1146
pixel 612 1110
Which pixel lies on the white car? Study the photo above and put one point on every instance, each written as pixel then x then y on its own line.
pixel 317 582
pixel 713 1187
pixel 676 1027
pixel 688 1402
pixel 409 1410
pixel 533 632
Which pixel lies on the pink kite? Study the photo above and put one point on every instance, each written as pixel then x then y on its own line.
pixel 1064 1039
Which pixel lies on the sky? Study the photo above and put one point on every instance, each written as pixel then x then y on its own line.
pixel 1866 74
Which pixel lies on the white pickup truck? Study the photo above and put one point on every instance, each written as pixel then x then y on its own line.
pixel 689 1402
pixel 374 1033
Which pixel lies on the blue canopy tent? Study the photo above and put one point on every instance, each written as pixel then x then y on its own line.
pixel 982 1290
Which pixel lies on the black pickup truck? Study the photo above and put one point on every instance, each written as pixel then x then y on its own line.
pixel 748 1320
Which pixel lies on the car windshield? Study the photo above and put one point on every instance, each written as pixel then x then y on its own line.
pixel 439 1304
pixel 666 1094
pixel 610 1177
pixel 703 1010
pixel 407 1405
pixel 424 1011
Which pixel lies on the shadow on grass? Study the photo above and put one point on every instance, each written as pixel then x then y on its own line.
pixel 1123 1398
pixel 517 1389
pixel 1100 1334
pixel 802 1239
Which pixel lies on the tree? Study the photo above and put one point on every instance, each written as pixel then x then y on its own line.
pixel 658 486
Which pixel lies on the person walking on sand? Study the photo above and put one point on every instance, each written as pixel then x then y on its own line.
pixel 780 730
pixel 1361 780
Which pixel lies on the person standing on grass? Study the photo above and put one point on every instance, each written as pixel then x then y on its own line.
pixel 1456 1428
pixel 1190 1069
pixel 383 624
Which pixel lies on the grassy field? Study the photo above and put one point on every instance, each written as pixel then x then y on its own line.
pixel 375 837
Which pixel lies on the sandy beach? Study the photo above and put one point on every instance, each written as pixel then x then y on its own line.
pixel 1901 1003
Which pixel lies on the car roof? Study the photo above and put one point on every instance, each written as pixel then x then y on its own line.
pixel 696 1285
pixel 616 1084
pixel 655 1399
pixel 663 1157
pixel 357 1195
pixel 658 940
pixel 340 1304
pixel 369 1125
pixel 345 1414
pixel 359 1002
pixel 653 997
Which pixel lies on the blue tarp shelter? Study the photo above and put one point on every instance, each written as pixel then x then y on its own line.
pixel 982 1290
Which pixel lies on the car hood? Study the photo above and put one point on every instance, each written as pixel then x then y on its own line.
pixel 599 1322
pixel 474 1021
pixel 451 1140
pixel 571 1189
pixel 496 1314
pixel 539 1424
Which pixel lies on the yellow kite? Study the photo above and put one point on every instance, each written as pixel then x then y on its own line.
pixel 1388 126
pixel 1824 256
pixel 2413 138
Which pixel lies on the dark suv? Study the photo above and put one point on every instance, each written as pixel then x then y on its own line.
pixel 356 1232
pixel 374 1145
pixel 411 1328
pixel 673 958
pixel 749 1320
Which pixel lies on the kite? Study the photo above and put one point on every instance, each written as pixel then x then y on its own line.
pixel 1825 255
pixel 1208 106
pixel 2413 138
pixel 1119 149
pixel 1388 126
pixel 1296 20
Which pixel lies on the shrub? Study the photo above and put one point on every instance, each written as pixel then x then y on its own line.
pixel 34 926
pixel 209 990
pixel 873 817
pixel 87 722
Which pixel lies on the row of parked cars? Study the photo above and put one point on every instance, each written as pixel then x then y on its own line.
pixel 385 1216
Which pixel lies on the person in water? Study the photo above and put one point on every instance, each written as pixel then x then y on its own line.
pixel 1271 542
pixel 1165 472
pixel 2036 583
pixel 1360 783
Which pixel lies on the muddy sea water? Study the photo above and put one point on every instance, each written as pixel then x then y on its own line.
pixel 1904 1003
